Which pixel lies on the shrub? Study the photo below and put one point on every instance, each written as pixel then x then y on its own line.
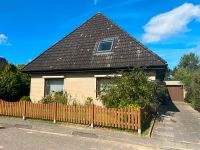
pixel 75 102
pixel 196 104
pixel 88 101
pixel 25 98
pixel 195 91
pixel 133 89
pixel 134 106
pixel 47 99
pixel 13 83
pixel 61 98
pixel 58 97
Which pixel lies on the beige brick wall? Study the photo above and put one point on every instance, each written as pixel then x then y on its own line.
pixel 80 88
pixel 78 85
pixel 37 88
pixel 82 85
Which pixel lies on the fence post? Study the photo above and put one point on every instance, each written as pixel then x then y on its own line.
pixel 92 116
pixel 1 106
pixel 24 111
pixel 139 121
pixel 55 112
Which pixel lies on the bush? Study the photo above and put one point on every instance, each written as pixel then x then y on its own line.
pixel 194 93
pixel 134 106
pixel 13 83
pixel 25 99
pixel 75 103
pixel 196 104
pixel 61 98
pixel 193 89
pixel 88 101
pixel 133 89
pixel 58 97
pixel 47 99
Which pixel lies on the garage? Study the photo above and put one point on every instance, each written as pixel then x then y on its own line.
pixel 175 90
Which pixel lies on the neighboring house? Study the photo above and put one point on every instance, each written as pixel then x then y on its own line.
pixel 3 63
pixel 81 61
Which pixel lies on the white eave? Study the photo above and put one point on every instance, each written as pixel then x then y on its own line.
pixel 173 83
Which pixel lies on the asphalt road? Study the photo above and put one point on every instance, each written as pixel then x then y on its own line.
pixel 13 138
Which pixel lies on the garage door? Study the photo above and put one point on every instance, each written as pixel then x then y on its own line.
pixel 176 92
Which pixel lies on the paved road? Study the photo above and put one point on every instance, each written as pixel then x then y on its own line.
pixel 20 137
pixel 179 123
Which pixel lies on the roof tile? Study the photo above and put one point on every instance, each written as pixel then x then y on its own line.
pixel 77 50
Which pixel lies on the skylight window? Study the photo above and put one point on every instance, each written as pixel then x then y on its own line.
pixel 105 46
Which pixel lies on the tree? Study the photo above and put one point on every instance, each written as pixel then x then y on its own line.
pixel 195 92
pixel 132 89
pixel 13 84
pixel 188 71
pixel 189 62
pixel 183 75
pixel 186 68
pixel 25 81
pixel 20 67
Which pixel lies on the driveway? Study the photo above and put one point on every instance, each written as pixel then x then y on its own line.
pixel 179 122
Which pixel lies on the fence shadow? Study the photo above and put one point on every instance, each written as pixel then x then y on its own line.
pixel 167 109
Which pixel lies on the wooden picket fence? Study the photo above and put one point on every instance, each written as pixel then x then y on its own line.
pixel 89 114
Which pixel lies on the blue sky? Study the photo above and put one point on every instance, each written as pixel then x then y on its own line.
pixel 170 28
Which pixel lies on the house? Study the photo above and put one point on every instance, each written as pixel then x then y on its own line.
pixel 80 62
pixel 3 63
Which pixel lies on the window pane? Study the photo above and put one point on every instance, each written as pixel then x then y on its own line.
pixel 54 85
pixel 105 46
pixel 103 84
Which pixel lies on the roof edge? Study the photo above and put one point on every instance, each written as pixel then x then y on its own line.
pixel 97 69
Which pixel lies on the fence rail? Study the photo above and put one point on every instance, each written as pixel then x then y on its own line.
pixel 89 114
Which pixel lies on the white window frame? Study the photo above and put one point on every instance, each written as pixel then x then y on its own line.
pixel 102 77
pixel 53 77
pixel 106 40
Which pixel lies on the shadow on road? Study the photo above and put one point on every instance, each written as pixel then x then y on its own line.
pixel 167 109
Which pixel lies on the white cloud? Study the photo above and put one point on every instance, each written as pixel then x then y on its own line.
pixel 3 38
pixel 170 23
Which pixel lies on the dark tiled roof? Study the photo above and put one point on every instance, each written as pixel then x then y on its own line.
pixel 77 50
pixel 3 63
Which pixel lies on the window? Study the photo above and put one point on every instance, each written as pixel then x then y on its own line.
pixel 103 84
pixel 105 46
pixel 54 85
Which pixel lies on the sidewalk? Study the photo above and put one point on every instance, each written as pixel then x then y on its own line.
pixel 98 133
